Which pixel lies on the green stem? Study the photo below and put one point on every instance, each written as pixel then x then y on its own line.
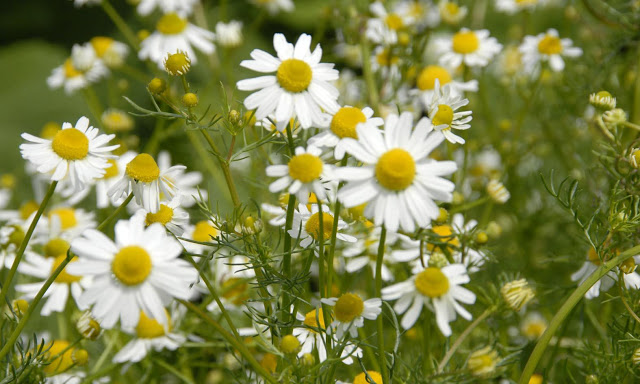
pixel 334 233
pixel 381 353
pixel 463 336
pixel 225 170
pixel 120 23
pixel 372 89
pixel 240 347
pixel 115 213
pixel 567 307
pixel 6 285
pixel 103 356
pixel 171 369
pixel 93 102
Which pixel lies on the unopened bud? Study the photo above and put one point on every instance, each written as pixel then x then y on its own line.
pixel 157 86
pixel 190 100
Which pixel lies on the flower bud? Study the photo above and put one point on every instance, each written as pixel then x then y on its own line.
pixel 482 363
pixel 517 293
pixel 157 86
pixel 190 100
pixel 177 64
pixel 289 344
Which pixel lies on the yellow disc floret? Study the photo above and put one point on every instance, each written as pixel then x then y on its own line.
pixel 204 231
pixel 550 45
pixel 305 167
pixel 101 44
pixel 396 169
pixel 235 290
pixel 27 209
pixel 163 216
pixel 70 144
pixel 294 75
pixel 289 344
pixel 344 122
pixel 432 282
pixel 69 70
pixel 362 378
pixel 177 64
pixel 313 225
pixel 67 217
pixel 49 130
pixel 314 319
pixel 348 307
pixel 56 247
pixel 465 42
pixel 428 76
pixel 132 265
pixel 112 170
pixel 58 361
pixel 394 21
pixel 148 328
pixel 143 168
pixel 171 24
pixel 445 235
pixel 444 116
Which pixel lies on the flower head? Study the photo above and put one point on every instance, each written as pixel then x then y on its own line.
pixel 473 48
pixel 547 47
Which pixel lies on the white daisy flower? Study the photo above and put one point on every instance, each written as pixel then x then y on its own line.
pixel 441 108
pixel 13 232
pixel 306 225
pixel 343 124
pixel 384 27
pixel 139 271
pixel 78 71
pixel 114 173
pixel 149 335
pixel 278 213
pixel 174 33
pixel 421 14
pixel 279 126
pixel 305 173
pixel 398 180
pixel 144 178
pixel 65 223
pixel 547 47
pixel 533 325
pixel 473 48
pixel 170 215
pixel 187 183
pixel 426 82
pixel 202 232
pixel 386 63
pixel 451 13
pixel 113 53
pixel 181 7
pixel 350 311
pixel 300 87
pixel 229 34
pixel 235 282
pixel 513 6
pixel 274 6
pixel 364 252
pixel 436 288
pixel 78 154
pixel 593 262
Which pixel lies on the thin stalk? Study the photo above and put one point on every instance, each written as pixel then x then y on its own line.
pixel 379 260
pixel 291 206
pixel 105 353
pixel 321 274
pixel 120 23
pixel 175 372
pixel 334 233
pixel 240 347
pixel 93 102
pixel 372 88
pixel 225 170
pixel 463 336
pixel 6 285
pixel 567 307
pixel 115 213
pixel 624 301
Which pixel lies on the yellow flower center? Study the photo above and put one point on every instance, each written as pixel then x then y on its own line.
pixel 101 44
pixel 311 321
pixel 313 225
pixel 49 130
pixel 56 247
pixel 535 329
pixel 289 344
pixel 427 77
pixel 305 168
pixel 348 307
pixel 394 21
pixel 550 45
pixel 294 75
pixel 16 237
pixel 344 122
pixel 62 362
pixel 177 63
pixel 69 70
pixel 452 8
pixel 112 170
pixel 269 362
pixel 143 168
pixel 163 216
pixel 70 144
pixel 396 169
pixel 593 257
pixel 171 24
pixel 386 59
pixel 465 42
pixel 150 328
pixel 204 231
pixel 362 378
pixel 67 217
pixel 444 116
pixel 64 277
pixel 446 236
pixel 27 209
pixel 432 282
pixel 235 290
pixel 132 265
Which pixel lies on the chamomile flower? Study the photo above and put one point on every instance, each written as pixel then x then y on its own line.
pixel 547 47
pixel 441 108
pixel 421 14
pixel 229 34
pixel 364 253
pixel 593 262
pixel 202 232
pixel 306 225
pixel 78 71
pixel 436 288
pixel 451 13
pixel 274 6
pixel 174 33
pixel 384 27
pixel 350 311
pixel 187 183
pixel 113 53
pixel 386 63
pixel 149 335
pixel 300 87
pixel 116 120
pixel 181 7
pixel 77 153
pixel 398 180
pixel 139 271
pixel 114 173
pixel 513 6
pixel 306 172
pixel 471 48
pixel 533 325
pixel 343 124
pixel 426 82
pixel 147 182
pixel 170 215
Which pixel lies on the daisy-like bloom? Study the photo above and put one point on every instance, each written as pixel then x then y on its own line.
pixel 149 335
pixel 451 12
pixel 498 192
pixel 343 124
pixel 306 225
pixel 274 6
pixel 513 6
pixel 602 100
pixel 182 7
pixel 113 53
pixel 397 181
pixel 471 48
pixel 304 174
pixel 175 33
pixel 547 47
pixel 187 183
pixel 300 87
pixel 78 154
pixel 113 174
pixel 426 82
pixel 517 294
pixel 144 178
pixel 439 288
pixel 139 271
pixel 65 223
pixel 170 215
pixel 441 108
pixel 202 232
pixel 279 212
pixel 385 62
pixel 350 311
pixel 365 252
pixel 116 120
pixel 229 34
pixel 482 363
pixel 78 71
pixel 533 325
pixel 593 262
pixel 384 27
pixel 421 14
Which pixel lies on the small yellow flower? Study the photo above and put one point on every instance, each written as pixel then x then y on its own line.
pixel 483 362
